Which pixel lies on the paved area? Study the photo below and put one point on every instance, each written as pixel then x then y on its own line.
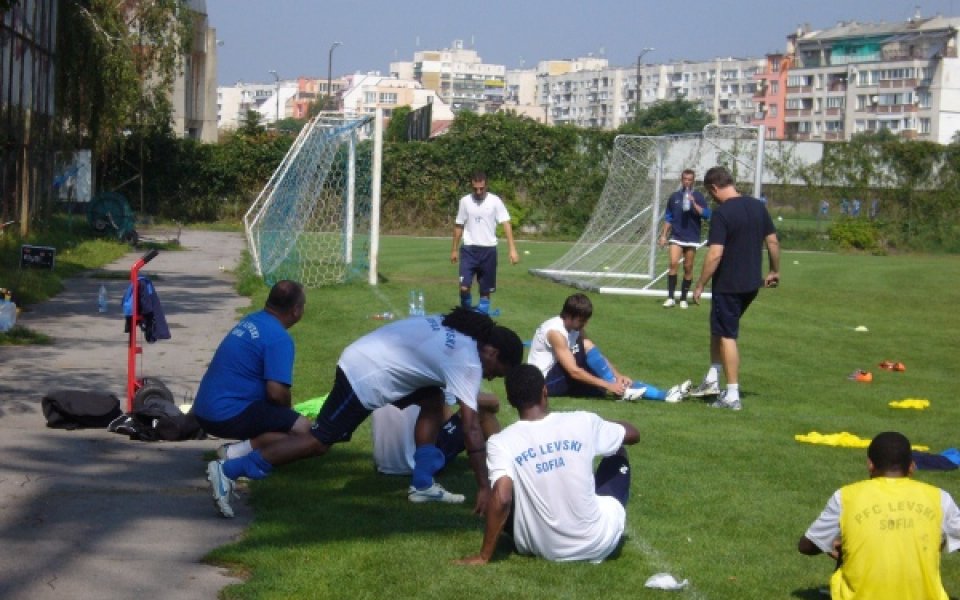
pixel 92 514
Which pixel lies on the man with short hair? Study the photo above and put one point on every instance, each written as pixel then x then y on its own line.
pixel 682 222
pixel 887 532
pixel 245 392
pixel 573 365
pixel 477 217
pixel 542 467
pixel 428 361
pixel 739 228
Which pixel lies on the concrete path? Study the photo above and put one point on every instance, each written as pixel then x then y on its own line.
pixel 92 514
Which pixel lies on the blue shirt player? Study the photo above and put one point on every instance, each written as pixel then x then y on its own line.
pixel 245 393
pixel 682 221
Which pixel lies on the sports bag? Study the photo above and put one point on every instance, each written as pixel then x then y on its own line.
pixel 76 409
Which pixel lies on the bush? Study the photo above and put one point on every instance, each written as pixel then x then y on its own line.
pixel 859 234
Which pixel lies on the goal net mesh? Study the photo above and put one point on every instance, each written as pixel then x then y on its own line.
pixel 311 221
pixel 617 252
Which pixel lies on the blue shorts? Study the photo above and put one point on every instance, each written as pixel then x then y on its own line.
pixel 255 420
pixel 342 411
pixel 482 262
pixel 725 313
pixel 559 382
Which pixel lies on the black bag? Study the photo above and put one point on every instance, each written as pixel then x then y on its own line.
pixel 159 419
pixel 75 409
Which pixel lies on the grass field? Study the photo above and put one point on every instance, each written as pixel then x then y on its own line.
pixel 717 497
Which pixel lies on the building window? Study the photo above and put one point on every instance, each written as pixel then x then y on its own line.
pixel 859 126
pixel 924 125
pixel 369 97
pixel 793 104
pixel 835 102
pixel 388 98
pixel 772 110
pixel 834 126
pixel 774 87
pixel 924 99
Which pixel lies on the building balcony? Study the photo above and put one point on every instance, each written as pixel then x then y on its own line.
pixel 797 112
pixel 800 89
pixel 892 84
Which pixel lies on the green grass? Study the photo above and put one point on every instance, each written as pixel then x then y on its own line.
pixel 717 497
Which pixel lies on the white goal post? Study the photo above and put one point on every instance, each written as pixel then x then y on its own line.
pixel 617 252
pixel 316 221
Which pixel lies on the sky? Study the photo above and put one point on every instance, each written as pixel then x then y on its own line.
pixel 294 37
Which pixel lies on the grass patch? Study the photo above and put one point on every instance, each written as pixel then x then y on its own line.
pixel 717 497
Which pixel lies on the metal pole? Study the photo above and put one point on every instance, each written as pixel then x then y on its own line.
pixel 276 94
pixel 640 78
pixel 375 196
pixel 330 71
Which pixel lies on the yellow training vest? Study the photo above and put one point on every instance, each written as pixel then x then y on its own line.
pixel 891 530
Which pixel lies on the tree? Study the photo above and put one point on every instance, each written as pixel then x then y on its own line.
pixel 667 117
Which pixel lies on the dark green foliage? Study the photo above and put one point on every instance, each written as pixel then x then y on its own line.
pixel 858 234
pixel 668 117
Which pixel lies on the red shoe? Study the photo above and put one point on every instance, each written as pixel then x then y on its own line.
pixel 861 376
pixel 899 367
pixel 887 364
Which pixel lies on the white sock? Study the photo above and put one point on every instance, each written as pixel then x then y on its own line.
pixel 239 449
pixel 733 392
pixel 713 374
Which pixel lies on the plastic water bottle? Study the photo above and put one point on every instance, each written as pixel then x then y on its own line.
pixel 421 304
pixel 686 200
pixel 382 316
pixel 102 299
pixel 412 304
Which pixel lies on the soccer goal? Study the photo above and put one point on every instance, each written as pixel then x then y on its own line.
pixel 617 252
pixel 316 220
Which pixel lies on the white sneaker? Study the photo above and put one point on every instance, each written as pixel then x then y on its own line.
pixel 634 394
pixel 683 304
pixel 722 402
pixel 685 387
pixel 434 493
pixel 222 487
pixel 669 303
pixel 674 395
pixel 707 388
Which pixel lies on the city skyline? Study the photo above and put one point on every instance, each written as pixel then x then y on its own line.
pixel 502 33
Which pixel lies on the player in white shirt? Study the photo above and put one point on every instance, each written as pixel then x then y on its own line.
pixel 392 431
pixel 542 465
pixel 426 361
pixel 478 215
pixel 573 365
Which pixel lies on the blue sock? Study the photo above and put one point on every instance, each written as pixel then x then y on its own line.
pixel 652 393
pixel 251 465
pixel 466 299
pixel 599 365
pixel 427 460
pixel 484 305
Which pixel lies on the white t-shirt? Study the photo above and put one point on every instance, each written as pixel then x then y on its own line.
pixel 826 528
pixel 480 219
pixel 542 353
pixel 393 443
pixel 557 513
pixel 401 357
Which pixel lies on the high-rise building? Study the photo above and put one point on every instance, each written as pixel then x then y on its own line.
pixel 458 75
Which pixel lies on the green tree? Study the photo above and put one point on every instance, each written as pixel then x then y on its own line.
pixel 668 116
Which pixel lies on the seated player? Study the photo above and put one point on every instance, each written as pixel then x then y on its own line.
pixel 573 365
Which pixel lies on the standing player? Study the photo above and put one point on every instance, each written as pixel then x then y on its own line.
pixel 739 228
pixel 426 361
pixel 477 219
pixel 681 228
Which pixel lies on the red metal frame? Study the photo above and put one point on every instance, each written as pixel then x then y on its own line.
pixel 134 384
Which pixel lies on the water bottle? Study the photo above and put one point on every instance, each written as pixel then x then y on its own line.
pixel 412 304
pixel 686 200
pixel 102 299
pixel 421 304
pixel 382 316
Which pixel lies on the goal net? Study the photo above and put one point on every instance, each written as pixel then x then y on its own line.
pixel 312 220
pixel 617 252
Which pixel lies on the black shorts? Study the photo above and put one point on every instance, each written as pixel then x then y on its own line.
pixel 255 420
pixel 726 310
pixel 482 262
pixel 340 414
pixel 559 382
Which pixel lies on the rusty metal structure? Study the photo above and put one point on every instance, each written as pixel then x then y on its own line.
pixel 27 60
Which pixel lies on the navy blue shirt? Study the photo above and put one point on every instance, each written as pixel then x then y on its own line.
pixel 685 224
pixel 740 225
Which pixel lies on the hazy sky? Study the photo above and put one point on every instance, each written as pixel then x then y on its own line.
pixel 294 36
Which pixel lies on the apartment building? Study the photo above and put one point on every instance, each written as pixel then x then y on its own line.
pixel 365 93
pixel 857 77
pixel 271 100
pixel 459 77
pixel 770 94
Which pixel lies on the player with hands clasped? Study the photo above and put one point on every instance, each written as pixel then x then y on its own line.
pixel 682 221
